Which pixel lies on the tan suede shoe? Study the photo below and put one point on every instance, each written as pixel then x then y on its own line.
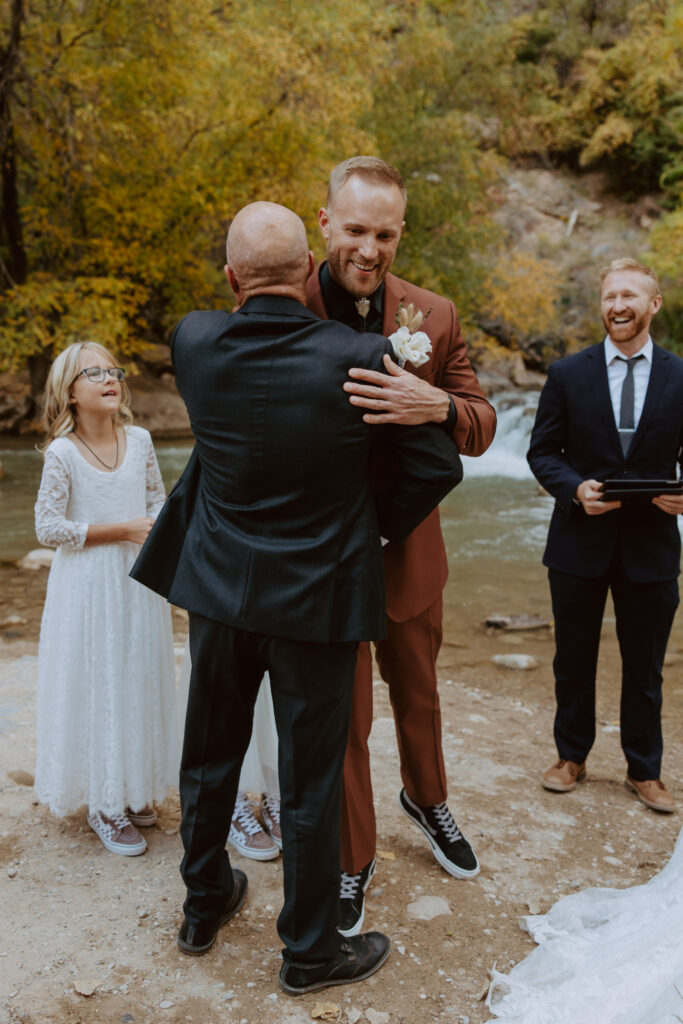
pixel 653 793
pixel 563 776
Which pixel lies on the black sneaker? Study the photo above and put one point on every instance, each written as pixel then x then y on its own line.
pixel 357 959
pixel 352 899
pixel 449 845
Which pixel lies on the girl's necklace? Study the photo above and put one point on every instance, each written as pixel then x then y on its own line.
pixel 110 468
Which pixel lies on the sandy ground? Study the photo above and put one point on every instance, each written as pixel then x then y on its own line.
pixel 78 918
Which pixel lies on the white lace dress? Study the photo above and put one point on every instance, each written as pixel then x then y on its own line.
pixel 604 956
pixel 107 732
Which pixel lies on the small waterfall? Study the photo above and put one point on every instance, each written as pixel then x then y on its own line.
pixel 507 455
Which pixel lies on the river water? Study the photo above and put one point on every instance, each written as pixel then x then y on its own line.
pixel 494 524
pixel 497 512
pixel 496 517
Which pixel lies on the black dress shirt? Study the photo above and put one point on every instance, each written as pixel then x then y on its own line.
pixel 341 306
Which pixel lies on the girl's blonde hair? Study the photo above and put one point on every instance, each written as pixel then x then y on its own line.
pixel 59 416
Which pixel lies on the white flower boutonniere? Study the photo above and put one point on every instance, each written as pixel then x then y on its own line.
pixel 411 345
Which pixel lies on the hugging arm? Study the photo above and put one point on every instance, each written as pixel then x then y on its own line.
pixel 416 466
pixel 457 401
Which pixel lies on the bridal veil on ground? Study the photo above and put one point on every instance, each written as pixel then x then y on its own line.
pixel 604 956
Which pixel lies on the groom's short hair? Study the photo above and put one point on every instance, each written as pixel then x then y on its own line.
pixel 369 168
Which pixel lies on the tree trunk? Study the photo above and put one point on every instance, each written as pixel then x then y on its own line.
pixel 10 221
pixel 17 265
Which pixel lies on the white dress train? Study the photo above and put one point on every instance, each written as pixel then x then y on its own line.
pixel 259 768
pixel 604 956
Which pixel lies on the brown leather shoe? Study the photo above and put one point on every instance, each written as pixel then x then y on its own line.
pixel 563 776
pixel 653 793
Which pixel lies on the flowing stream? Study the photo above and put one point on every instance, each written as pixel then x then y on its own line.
pixel 497 513
pixel 494 525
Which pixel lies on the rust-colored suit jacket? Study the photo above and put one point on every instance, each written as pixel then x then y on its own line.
pixel 416 569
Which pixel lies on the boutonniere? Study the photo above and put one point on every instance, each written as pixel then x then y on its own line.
pixel 410 344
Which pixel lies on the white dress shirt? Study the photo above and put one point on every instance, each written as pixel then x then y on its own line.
pixel 616 375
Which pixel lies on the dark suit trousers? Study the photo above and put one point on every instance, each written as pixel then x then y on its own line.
pixel 407 663
pixel 311 685
pixel 644 615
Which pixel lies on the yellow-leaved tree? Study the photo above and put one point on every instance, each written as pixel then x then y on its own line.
pixel 137 129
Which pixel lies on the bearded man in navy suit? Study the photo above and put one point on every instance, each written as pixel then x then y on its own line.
pixel 612 411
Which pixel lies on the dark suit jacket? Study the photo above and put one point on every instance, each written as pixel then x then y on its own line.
pixel 575 438
pixel 273 527
pixel 416 570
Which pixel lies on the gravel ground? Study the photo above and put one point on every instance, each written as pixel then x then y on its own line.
pixel 90 937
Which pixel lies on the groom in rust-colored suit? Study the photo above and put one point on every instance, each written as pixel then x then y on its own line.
pixel 362 224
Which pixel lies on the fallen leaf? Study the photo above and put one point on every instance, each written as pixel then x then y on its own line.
pixel 377 1016
pixel 86 986
pixel 326 1011
pixel 385 855
pixel 353 1015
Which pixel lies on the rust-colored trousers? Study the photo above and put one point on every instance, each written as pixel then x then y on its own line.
pixel 407 663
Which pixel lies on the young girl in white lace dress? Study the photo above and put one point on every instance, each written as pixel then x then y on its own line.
pixel 107 731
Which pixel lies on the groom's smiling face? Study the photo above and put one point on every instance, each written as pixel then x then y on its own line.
pixel 363 226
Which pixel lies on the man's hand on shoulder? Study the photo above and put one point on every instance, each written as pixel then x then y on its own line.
pixel 397 396
pixel 671 503
pixel 589 494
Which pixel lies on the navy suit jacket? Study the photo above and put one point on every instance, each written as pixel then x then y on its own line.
pixel 273 527
pixel 575 438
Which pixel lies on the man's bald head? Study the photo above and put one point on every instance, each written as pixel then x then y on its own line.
pixel 267 251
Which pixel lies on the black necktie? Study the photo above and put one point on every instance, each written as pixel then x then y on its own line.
pixel 627 408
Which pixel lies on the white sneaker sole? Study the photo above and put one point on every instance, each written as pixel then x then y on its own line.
pixel 252 854
pixel 356 930
pixel 142 820
pixel 439 855
pixel 350 932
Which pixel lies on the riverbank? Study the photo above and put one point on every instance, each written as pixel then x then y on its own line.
pixel 83 919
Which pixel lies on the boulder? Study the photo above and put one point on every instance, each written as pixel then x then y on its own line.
pixel 520 661
pixel 39 558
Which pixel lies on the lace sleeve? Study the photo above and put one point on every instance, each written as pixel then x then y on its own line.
pixel 156 493
pixel 53 529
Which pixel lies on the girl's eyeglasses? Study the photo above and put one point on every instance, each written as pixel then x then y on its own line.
pixel 97 374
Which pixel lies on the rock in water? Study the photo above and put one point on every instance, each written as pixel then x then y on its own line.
pixel 524 661
pixel 514 622
pixel 39 558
